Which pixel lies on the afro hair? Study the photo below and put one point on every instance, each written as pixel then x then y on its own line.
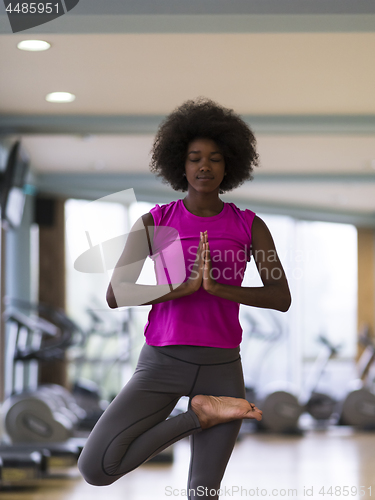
pixel 205 119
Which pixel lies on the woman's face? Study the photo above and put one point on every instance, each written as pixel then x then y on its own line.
pixel 204 165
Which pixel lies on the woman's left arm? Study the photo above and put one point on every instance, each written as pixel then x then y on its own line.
pixel 274 294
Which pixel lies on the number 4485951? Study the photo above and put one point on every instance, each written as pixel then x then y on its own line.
pixel 32 8
pixel 345 491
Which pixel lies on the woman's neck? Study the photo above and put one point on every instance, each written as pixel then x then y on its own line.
pixel 203 205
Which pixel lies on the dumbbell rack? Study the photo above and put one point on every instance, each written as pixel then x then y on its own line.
pixel 33 447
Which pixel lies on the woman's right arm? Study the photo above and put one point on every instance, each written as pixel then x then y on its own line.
pixel 123 290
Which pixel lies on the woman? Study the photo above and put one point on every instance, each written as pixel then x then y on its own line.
pixel 200 246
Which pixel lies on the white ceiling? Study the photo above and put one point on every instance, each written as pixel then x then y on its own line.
pixel 300 74
pixel 255 73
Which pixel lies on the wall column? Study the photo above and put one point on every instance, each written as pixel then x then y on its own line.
pixel 52 273
pixel 366 280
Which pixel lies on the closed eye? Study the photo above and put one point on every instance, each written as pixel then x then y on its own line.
pixel 194 160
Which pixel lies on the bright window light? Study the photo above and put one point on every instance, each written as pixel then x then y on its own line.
pixel 33 45
pixel 60 97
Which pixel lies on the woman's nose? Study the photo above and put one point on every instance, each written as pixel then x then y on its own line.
pixel 205 165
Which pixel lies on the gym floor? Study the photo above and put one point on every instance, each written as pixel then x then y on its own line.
pixel 261 465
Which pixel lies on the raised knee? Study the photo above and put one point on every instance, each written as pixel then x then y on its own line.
pixel 92 475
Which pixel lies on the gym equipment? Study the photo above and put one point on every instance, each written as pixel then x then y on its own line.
pixel 253 329
pixel 49 416
pixel 27 463
pixel 30 417
pixel 280 405
pixel 32 413
pixel 68 403
pixel 92 361
pixel 358 408
pixel 21 467
pixel 319 405
pixel 86 393
pixel 281 409
pixel 39 421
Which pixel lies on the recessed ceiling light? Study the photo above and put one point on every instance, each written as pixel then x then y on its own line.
pixel 33 45
pixel 60 97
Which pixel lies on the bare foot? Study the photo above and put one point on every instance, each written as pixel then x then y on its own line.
pixel 213 410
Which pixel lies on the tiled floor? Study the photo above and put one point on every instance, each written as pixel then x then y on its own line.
pixel 261 466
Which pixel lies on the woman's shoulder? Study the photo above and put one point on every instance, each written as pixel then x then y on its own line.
pixel 159 212
pixel 246 215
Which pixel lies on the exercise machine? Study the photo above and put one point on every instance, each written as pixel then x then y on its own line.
pixel 278 400
pixel 358 407
pixel 319 405
pixel 92 362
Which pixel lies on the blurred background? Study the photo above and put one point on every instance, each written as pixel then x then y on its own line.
pixel 301 74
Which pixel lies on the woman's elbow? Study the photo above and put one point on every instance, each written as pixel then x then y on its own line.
pixel 111 301
pixel 112 304
pixel 285 302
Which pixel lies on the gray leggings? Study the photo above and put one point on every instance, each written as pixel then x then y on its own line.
pixel 134 427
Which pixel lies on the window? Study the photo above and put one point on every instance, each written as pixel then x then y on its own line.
pixel 320 261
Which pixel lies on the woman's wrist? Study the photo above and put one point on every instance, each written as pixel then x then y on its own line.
pixel 214 288
pixel 189 287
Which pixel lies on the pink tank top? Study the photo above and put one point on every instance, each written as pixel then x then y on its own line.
pixel 200 318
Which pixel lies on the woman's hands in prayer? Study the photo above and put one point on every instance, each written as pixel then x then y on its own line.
pixel 201 273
